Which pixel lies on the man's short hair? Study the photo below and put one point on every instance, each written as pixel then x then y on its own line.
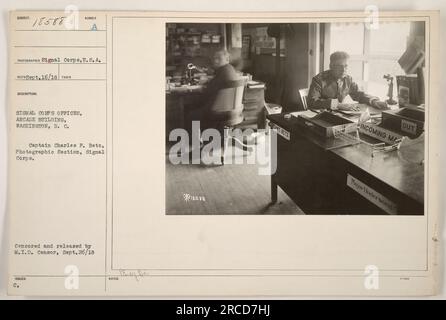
pixel 338 55
pixel 223 52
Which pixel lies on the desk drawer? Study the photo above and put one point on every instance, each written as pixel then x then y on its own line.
pixel 252 106
pixel 253 95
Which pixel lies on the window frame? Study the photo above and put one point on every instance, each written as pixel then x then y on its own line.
pixel 364 58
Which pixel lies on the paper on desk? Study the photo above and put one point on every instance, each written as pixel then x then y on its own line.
pixel 412 150
pixel 348 100
pixel 364 116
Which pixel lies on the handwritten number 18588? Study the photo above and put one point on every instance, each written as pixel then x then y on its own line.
pixel 46 21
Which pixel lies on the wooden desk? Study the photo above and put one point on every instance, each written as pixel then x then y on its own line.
pixel 318 173
pixel 179 99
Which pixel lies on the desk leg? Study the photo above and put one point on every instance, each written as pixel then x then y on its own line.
pixel 273 190
pixel 181 111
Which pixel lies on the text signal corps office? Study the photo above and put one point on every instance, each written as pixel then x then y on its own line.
pixel 334 110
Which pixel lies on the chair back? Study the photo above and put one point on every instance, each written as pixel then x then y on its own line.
pixel 303 94
pixel 227 107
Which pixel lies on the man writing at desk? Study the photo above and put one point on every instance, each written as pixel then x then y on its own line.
pixel 329 88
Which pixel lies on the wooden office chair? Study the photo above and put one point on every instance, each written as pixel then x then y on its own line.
pixel 226 112
pixel 303 93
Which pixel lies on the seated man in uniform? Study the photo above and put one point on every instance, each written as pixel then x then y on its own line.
pixel 224 72
pixel 329 88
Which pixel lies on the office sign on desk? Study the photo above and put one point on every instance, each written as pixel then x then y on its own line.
pixel 379 133
pixel 372 195
pixel 280 131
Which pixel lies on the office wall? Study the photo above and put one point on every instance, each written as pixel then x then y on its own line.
pixel 282 88
pixel 296 65
pixel 261 63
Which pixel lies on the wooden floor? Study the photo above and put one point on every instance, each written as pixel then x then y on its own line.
pixel 228 189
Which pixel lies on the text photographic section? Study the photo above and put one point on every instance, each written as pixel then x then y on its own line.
pixel 58 96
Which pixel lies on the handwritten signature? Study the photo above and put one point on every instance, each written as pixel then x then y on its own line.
pixel 136 274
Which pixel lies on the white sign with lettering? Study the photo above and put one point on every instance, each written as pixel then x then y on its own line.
pixel 379 133
pixel 408 126
pixel 372 195
pixel 281 131
pixel 343 129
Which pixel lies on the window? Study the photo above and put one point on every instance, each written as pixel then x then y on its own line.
pixel 373 53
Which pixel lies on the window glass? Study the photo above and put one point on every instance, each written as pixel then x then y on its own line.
pixel 355 69
pixel 377 68
pixel 390 38
pixel 347 37
pixel 382 56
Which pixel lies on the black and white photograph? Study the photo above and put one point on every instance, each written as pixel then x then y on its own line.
pixel 199 152
pixel 322 118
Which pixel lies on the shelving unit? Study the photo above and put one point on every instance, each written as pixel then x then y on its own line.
pixel 184 45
